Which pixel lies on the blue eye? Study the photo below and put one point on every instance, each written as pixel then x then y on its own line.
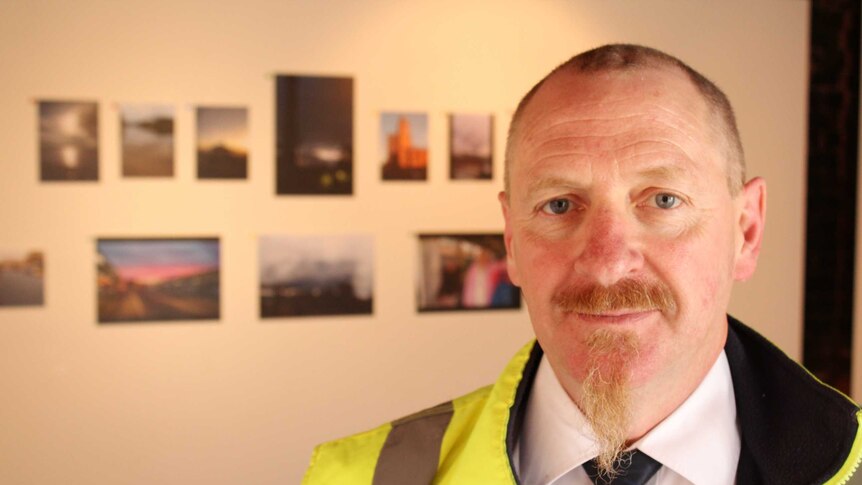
pixel 557 206
pixel 666 201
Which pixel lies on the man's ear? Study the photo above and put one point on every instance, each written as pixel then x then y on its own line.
pixel 752 217
pixel 512 267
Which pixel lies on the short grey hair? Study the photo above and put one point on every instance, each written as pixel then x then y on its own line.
pixel 628 57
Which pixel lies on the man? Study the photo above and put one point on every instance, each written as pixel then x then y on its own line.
pixel 627 222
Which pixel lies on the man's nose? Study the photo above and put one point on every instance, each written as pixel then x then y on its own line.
pixel 609 250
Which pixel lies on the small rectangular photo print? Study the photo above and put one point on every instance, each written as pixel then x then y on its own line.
pixel 404 146
pixel 147 140
pixel 222 143
pixel 158 279
pixel 22 278
pixel 68 140
pixel 464 272
pixel 314 135
pixel 471 146
pixel 315 275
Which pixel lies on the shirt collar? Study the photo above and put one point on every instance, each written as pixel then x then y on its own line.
pixel 699 440
pixel 555 436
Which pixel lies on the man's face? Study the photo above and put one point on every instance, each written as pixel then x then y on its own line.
pixel 621 177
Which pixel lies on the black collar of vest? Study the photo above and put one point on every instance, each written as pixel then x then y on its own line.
pixel 794 429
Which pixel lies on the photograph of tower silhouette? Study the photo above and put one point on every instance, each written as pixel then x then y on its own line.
pixel 68 140
pixel 404 146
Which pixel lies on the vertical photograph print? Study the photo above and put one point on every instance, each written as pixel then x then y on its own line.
pixel 314 135
pixel 464 272
pixel 158 279
pixel 471 146
pixel 22 278
pixel 222 144
pixel 147 140
pixel 404 146
pixel 68 140
pixel 315 275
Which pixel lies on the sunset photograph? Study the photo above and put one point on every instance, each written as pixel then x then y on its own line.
pixel 222 143
pixel 158 279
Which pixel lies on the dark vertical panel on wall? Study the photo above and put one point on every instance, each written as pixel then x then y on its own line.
pixel 833 127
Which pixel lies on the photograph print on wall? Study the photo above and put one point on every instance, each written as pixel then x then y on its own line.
pixel 404 146
pixel 222 144
pixel 22 278
pixel 315 275
pixel 471 147
pixel 68 140
pixel 314 135
pixel 147 140
pixel 158 279
pixel 464 272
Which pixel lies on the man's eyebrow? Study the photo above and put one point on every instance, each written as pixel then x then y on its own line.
pixel 665 172
pixel 553 182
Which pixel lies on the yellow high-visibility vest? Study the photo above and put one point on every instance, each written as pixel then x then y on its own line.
pixel 466 441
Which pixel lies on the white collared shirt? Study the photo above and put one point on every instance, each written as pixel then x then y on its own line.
pixel 698 444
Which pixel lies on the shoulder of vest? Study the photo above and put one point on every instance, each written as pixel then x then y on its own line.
pixel 350 460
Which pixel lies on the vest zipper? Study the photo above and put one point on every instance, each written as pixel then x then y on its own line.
pixel 852 471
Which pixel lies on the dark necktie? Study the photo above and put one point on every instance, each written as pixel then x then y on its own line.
pixel 637 472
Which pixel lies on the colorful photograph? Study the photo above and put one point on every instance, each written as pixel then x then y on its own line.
pixel 471 146
pixel 22 278
pixel 158 279
pixel 68 140
pixel 404 146
pixel 222 143
pixel 464 272
pixel 315 275
pixel 314 135
pixel 147 140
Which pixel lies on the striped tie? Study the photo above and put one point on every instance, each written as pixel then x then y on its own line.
pixel 638 471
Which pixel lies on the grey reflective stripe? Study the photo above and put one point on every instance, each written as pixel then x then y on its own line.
pixel 412 450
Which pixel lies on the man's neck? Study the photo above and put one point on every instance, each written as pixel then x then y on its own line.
pixel 655 400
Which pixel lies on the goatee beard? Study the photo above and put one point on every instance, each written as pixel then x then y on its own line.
pixel 605 399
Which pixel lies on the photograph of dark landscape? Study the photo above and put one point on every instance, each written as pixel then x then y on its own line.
pixel 22 279
pixel 314 135
pixel 404 146
pixel 148 140
pixel 68 140
pixel 464 272
pixel 471 146
pixel 222 144
pixel 157 279
pixel 315 275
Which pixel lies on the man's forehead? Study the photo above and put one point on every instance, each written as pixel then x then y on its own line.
pixel 580 176
pixel 595 92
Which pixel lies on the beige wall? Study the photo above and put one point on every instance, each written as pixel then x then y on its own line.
pixel 244 401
